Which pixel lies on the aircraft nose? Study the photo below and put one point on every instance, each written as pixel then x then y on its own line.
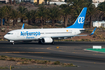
pixel 5 36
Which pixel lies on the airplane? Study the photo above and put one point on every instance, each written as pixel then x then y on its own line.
pixel 47 35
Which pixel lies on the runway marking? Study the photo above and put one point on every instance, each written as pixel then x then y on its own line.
pixel 93 51
pixel 73 52
pixel 24 52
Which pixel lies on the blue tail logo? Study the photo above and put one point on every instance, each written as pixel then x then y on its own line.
pixel 79 23
pixel 81 20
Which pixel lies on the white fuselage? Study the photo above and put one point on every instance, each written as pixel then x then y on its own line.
pixel 35 34
pixel 49 34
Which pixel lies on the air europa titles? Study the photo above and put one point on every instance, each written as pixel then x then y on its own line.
pixel 27 33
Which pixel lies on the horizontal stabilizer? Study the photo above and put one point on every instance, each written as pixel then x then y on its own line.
pixel 93 31
pixel 88 34
pixel 81 35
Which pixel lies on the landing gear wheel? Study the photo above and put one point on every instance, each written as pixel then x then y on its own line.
pixel 12 42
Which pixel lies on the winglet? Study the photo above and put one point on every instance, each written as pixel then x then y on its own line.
pixel 93 32
pixel 22 27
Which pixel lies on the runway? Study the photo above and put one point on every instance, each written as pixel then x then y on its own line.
pixel 67 52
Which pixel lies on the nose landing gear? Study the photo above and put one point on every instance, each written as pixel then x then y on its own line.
pixel 12 42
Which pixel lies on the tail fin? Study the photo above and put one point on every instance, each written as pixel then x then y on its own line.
pixel 22 27
pixel 79 23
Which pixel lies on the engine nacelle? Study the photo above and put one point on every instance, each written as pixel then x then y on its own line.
pixel 46 40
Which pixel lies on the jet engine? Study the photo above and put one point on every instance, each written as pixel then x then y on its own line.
pixel 46 40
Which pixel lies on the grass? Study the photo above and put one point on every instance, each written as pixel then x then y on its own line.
pixel 4 68
pixel 69 65
pixel 30 61
pixel 56 63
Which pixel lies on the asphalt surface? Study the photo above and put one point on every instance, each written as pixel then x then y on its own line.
pixel 65 52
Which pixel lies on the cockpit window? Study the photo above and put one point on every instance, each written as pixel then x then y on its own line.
pixel 9 33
